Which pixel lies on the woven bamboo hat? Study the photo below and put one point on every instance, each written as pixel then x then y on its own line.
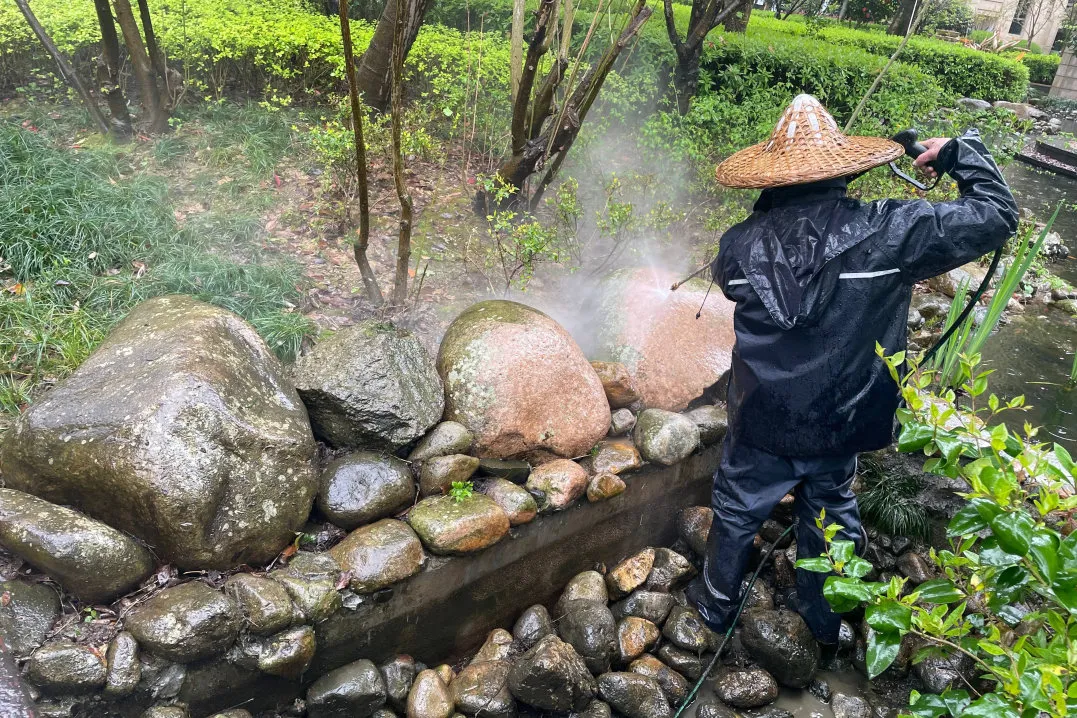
pixel 806 146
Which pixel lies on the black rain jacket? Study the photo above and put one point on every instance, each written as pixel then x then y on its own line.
pixel 819 278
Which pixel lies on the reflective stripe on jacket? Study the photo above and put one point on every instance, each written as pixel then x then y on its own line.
pixel 819 278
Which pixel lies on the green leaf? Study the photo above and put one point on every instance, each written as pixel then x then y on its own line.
pixel 1013 531
pixel 883 648
pixel 914 436
pixel 968 520
pixel 990 706
pixel 927 705
pixel 1044 553
pixel 815 565
pixel 857 568
pixel 842 551
pixel 939 590
pixel 992 555
pixel 889 617
pixel 845 594
pixel 955 701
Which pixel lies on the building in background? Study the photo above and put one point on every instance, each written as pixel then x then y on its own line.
pixel 1040 20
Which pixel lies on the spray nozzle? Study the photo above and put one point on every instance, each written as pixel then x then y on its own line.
pixel 909 139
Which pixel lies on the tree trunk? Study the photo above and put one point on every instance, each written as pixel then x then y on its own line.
pixel 738 20
pixel 108 73
pixel 844 9
pixel 155 117
pixel 157 57
pixel 900 24
pixel 362 241
pixel 66 71
pixel 686 78
pixel 375 67
pixel 403 249
pixel 516 46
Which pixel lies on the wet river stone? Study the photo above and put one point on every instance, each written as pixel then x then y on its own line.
pixel 430 697
pixel 519 382
pixel 589 627
pixel 618 384
pixel 651 605
pixel 311 581
pixel 693 525
pixel 672 683
pixel 363 487
pixel 448 526
pixel 689 665
pixel 586 585
pixel 379 555
pixel 496 647
pixel 91 560
pixel 685 629
pixel 635 636
pixel 370 386
pixel 615 456
pixel 850 706
pixel 185 623
pixel 509 469
pixel 621 422
pixel 781 643
pixel 448 437
pixel 166 712
pixel 264 603
pixel 352 691
pixel 519 505
pixel 634 695
pixel 746 687
pixel 669 570
pixel 551 676
pixel 182 430
pixel 64 667
pixel 605 486
pixel 663 437
pixel 712 423
pixel 532 625
pixel 398 674
pixel 124 667
pixel 630 573
pixel 440 472
pixel 594 709
pixel 672 356
pixel 557 484
pixel 710 708
pixel 27 612
pixel 481 688
pixel 289 653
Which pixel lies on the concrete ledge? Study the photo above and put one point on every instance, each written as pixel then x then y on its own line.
pixel 447 610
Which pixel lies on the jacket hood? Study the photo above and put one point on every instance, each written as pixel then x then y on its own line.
pixel 787 248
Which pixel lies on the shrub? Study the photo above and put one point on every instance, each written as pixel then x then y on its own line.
pixel 1041 68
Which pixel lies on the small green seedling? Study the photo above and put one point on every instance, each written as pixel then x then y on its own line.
pixel 461 490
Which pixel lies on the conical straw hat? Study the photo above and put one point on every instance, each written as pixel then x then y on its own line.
pixel 806 146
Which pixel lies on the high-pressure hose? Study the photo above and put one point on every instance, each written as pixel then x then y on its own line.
pixel 729 632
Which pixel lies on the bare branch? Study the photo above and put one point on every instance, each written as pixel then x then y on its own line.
pixel 403 250
pixel 536 48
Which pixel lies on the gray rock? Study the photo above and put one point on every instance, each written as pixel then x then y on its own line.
pixel 595 709
pixel 551 676
pixel 774 532
pixel 430 697
pixel 519 505
pixel 915 320
pixel 845 706
pixel 233 713
pixel 939 673
pixel 630 573
pixel 712 423
pixel 91 560
pixel 651 605
pixel 166 712
pixel 532 625
pixel 915 567
pixel 685 629
pixel 440 472
pixel 746 687
pixel 27 614
pixel 448 526
pixel 311 581
pixel 663 437
pixel 694 525
pixel 932 306
pixel 399 674
pixel 760 596
pixel 64 667
pixel 973 105
pixel 181 430
pixel 265 604
pixel 710 708
pixel 949 282
pixel 605 486
pixel 586 585
pixel 185 623
pixel 379 555
pixel 497 647
pixel 124 668
pixel 689 665
pixel 588 626
pixel 773 713
pixel 669 570
pixel 633 695
pixel 781 643
pixel 482 689
pixel 370 386
pixel 621 422
pixel 363 487
pixel 820 689
pixel 448 437
pixel 1054 126
pixel 508 469
pixel 673 684
pixel 289 653
pixel 352 691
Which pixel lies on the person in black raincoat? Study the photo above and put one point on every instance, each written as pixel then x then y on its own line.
pixel 818 278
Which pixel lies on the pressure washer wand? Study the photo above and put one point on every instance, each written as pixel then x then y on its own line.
pixel 693 275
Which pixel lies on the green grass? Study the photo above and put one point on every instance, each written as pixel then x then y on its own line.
pixel 890 503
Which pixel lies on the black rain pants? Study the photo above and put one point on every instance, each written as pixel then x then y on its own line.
pixel 748 485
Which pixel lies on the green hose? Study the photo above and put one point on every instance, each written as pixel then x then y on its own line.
pixel 729 632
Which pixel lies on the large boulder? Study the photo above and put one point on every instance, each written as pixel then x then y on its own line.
pixel 181 430
pixel 654 332
pixel 88 558
pixel 370 386
pixel 519 382
pixel 781 643
pixel 186 623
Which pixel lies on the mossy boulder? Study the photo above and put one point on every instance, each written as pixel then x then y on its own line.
pixel 379 555
pixel 448 526
pixel 520 383
pixel 370 386
pixel 664 437
pixel 91 560
pixel 672 356
pixel 185 623
pixel 181 430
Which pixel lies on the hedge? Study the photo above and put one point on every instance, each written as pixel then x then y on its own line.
pixel 1041 68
